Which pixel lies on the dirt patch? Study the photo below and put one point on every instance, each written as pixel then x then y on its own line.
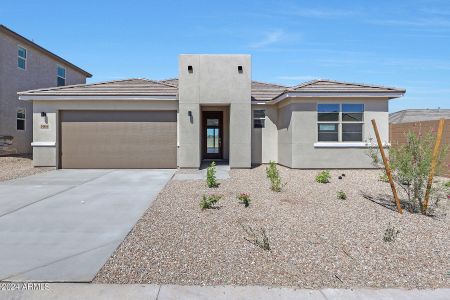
pixel 316 239
pixel 12 167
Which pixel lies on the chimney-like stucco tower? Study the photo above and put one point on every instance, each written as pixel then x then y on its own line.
pixel 214 80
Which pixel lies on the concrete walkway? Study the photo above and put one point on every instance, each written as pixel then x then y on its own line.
pixel 63 225
pixel 222 172
pixel 172 292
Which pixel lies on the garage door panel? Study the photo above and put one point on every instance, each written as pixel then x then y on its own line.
pixel 118 139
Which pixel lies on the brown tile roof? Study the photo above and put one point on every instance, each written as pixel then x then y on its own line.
pixel 126 87
pixel 26 41
pixel 261 91
pixel 325 85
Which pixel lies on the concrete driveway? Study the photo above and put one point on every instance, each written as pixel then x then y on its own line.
pixel 63 225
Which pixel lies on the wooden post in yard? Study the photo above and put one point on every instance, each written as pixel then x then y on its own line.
pixel 386 166
pixel 433 164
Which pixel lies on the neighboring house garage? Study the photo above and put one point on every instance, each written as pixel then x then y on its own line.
pixel 118 139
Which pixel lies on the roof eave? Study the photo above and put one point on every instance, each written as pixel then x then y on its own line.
pixel 31 97
pixel 285 95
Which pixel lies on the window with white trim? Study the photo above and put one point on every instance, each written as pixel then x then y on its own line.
pixel 60 76
pixel 259 118
pixel 340 122
pixel 20 119
pixel 21 58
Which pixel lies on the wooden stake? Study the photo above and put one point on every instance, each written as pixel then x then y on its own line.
pixel 386 166
pixel 433 164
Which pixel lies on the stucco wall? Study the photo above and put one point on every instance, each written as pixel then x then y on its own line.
pixel 265 140
pixel 46 139
pixel 209 84
pixel 297 134
pixel 40 73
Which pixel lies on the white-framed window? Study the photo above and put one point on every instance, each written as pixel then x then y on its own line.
pixel 20 118
pixel 60 76
pixel 259 118
pixel 340 122
pixel 21 58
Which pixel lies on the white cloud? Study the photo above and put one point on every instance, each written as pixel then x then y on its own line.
pixel 269 38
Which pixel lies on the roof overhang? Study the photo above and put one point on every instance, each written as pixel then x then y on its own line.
pixel 285 95
pixel 96 97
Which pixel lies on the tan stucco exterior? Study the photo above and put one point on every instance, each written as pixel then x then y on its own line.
pixel 40 72
pixel 209 85
pixel 289 137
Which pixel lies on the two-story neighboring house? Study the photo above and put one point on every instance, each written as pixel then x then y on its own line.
pixel 25 65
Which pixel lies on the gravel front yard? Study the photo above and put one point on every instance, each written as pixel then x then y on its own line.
pixel 316 240
pixel 18 166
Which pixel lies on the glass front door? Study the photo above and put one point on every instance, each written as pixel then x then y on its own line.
pixel 212 134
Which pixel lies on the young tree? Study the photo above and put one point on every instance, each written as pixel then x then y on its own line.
pixel 410 165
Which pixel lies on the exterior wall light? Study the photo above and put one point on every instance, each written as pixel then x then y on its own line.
pixel 240 69
pixel 190 69
pixel 43 114
pixel 189 113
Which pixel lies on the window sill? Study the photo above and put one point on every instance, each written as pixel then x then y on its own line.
pixel 43 144
pixel 346 145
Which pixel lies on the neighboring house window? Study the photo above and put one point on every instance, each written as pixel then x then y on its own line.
pixel 22 58
pixel 20 117
pixel 338 122
pixel 61 76
pixel 259 118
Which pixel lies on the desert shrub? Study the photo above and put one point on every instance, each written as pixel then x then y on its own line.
pixel 323 177
pixel 390 234
pixel 208 202
pixel 244 198
pixel 258 238
pixel 447 184
pixel 271 170
pixel 274 177
pixel 211 180
pixel 410 164
pixel 341 195
pixel 383 177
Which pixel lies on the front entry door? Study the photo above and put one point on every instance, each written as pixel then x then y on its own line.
pixel 212 134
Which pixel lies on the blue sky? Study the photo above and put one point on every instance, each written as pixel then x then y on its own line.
pixel 396 43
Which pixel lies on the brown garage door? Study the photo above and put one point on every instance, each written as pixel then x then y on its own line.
pixel 118 139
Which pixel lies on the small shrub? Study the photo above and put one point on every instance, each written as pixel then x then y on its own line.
pixel 341 195
pixel 390 234
pixel 258 238
pixel 323 177
pixel 271 170
pixel 244 198
pixel 211 180
pixel 383 177
pixel 208 202
pixel 274 177
pixel 447 184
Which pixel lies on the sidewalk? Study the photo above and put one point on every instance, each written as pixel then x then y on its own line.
pixel 166 292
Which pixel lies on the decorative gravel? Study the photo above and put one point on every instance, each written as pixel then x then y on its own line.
pixel 316 240
pixel 12 167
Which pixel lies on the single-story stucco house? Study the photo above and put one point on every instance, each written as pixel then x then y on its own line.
pixel 212 111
